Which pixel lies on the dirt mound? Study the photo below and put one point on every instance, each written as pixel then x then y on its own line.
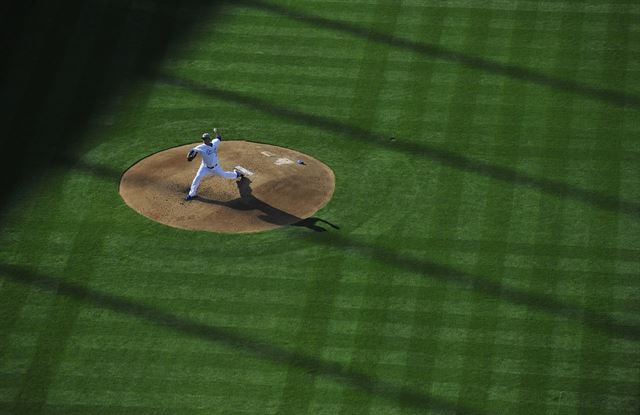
pixel 276 191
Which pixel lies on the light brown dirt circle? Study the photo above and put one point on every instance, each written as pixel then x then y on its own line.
pixel 280 191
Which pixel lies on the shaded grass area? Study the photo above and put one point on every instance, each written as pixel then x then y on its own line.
pixel 484 261
pixel 64 62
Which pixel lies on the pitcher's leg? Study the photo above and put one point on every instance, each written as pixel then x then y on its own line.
pixel 226 174
pixel 202 171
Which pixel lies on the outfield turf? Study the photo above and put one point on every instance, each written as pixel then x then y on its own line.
pixel 487 259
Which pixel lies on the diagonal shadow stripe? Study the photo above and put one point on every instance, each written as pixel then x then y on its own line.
pixel 481 285
pixel 424 150
pixel 429 269
pixel 331 370
pixel 65 61
pixel 429 50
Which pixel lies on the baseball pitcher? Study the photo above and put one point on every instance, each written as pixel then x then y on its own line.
pixel 209 152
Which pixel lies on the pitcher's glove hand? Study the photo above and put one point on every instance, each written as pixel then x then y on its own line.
pixel 191 155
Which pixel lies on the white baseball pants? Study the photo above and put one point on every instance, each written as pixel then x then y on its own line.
pixel 205 171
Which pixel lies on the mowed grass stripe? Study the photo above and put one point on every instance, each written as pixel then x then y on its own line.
pixel 305 82
pixel 193 380
pixel 227 274
pixel 226 396
pixel 274 292
pixel 362 112
pixel 595 392
pixel 565 371
pixel 276 74
pixel 219 285
pixel 241 57
pixel 197 366
pixel 521 249
pixel 258 9
pixel 279 38
pixel 550 226
pixel 413 90
pixel 303 98
pixel 225 282
pixel 431 301
pixel 208 369
pixel 15 296
pixel 64 312
pixel 428 301
pixel 96 322
pixel 92 408
pixel 275 27
pixel 19 300
pixel 311 48
pixel 271 66
pixel 90 346
pixel 493 225
pixel 547 9
pixel 310 337
pixel 465 100
pixel 367 332
pixel 206 392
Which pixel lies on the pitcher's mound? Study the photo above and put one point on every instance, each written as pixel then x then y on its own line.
pixel 277 190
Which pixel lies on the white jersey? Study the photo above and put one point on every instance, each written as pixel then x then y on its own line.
pixel 209 153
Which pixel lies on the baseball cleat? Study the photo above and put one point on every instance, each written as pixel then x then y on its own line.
pixel 189 197
pixel 239 174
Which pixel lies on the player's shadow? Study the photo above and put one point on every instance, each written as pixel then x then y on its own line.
pixel 246 201
pixel 268 213
pixel 314 224
pixel 397 394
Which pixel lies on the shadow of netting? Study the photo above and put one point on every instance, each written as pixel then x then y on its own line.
pixel 337 372
pixel 415 149
pixel 116 52
pixel 618 98
pixel 428 269
pixel 483 286
pixel 64 61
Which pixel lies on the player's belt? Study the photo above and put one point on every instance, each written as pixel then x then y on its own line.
pixel 212 167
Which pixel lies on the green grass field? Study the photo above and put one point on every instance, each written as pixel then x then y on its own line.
pixel 487 261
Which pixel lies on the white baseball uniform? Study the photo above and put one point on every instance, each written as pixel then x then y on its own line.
pixel 209 165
